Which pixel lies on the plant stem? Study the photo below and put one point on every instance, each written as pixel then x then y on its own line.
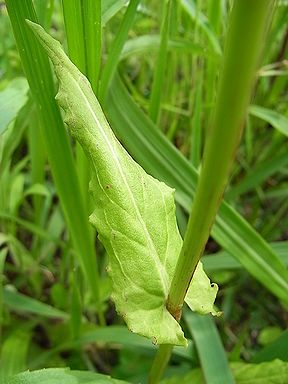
pixel 246 33
pixel 160 362
pixel 248 24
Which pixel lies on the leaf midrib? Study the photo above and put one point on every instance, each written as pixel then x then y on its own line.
pixel 154 254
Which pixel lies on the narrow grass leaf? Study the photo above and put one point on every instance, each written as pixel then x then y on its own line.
pixel 92 15
pixel 75 28
pixel 33 228
pixel 278 121
pixel 3 255
pixel 72 11
pixel 134 213
pixel 260 173
pixel 210 349
pixel 24 304
pixel 116 48
pixel 14 353
pixel 12 136
pixel 148 43
pixel 275 350
pixel 201 20
pixel 115 337
pixel 38 157
pixel 39 76
pixel 161 63
pixel 110 8
pixel 223 260
pixel 12 99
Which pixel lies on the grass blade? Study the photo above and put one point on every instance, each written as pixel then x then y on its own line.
pixel 223 260
pixel 161 62
pixel 279 122
pixel 72 12
pixel 91 14
pixel 14 353
pixel 211 352
pixel 259 174
pixel 12 99
pixel 25 304
pixel 39 76
pixel 116 337
pixel 276 350
pixel 201 20
pixel 118 43
pixel 110 8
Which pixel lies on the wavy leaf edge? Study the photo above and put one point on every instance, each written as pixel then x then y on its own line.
pixel 134 213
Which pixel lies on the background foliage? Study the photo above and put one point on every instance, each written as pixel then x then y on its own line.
pixel 159 68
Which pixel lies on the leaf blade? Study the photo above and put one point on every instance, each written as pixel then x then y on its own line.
pixel 120 189
pixel 278 121
pixel 134 213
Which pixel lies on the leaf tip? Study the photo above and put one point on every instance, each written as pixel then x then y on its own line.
pixel 36 28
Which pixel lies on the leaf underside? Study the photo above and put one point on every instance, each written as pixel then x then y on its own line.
pixel 134 213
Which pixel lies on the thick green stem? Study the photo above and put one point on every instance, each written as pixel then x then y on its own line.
pixel 160 362
pixel 248 24
pixel 247 30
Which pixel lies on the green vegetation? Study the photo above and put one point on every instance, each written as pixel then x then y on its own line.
pixel 175 80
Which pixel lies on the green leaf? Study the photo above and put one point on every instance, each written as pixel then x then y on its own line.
pixel 59 152
pixel 110 8
pixel 115 337
pixel 223 260
pixel 147 43
pixel 37 189
pixel 201 294
pixel 14 352
pixel 202 21
pixel 63 376
pixel 277 121
pixel 134 213
pixel 273 372
pixel 12 99
pixel 211 352
pixel 276 350
pixel 21 303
